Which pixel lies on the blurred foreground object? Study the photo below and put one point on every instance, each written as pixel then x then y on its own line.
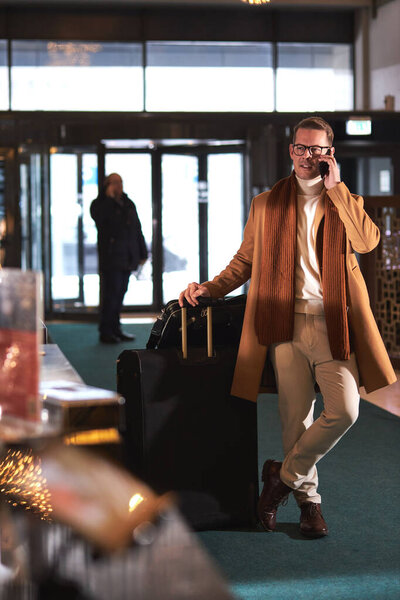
pixel 102 503
pixel 20 317
pixel 131 543
pixel 87 416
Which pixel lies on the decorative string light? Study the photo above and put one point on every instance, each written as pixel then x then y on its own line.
pixel 23 484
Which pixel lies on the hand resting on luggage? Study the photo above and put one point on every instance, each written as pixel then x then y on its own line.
pixel 192 293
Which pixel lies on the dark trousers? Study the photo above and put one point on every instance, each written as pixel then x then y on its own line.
pixel 113 285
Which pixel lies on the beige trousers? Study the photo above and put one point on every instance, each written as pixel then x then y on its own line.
pixel 298 365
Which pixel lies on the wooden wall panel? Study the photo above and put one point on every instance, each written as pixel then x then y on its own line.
pixel 239 24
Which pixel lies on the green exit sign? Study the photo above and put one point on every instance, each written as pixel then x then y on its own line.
pixel 361 126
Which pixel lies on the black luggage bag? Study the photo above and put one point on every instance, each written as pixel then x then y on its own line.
pixel 185 432
pixel 227 321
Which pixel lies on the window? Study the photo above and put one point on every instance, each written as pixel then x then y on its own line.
pixel 3 76
pixel 91 76
pixel 178 77
pixel 200 76
pixel 314 77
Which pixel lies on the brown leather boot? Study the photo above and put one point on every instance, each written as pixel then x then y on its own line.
pixel 312 523
pixel 274 493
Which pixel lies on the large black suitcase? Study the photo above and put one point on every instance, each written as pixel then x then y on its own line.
pixel 184 432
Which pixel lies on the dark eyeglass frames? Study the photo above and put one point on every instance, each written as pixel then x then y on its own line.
pixel 300 149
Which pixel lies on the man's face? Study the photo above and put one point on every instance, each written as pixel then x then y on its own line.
pixel 306 166
pixel 114 187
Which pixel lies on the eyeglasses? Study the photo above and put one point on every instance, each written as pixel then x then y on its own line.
pixel 300 149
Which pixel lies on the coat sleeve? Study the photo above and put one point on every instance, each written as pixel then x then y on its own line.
pixel 101 210
pixel 238 270
pixel 362 232
pixel 143 252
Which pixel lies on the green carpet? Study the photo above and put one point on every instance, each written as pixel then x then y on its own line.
pixel 360 488
pixel 95 362
pixel 359 483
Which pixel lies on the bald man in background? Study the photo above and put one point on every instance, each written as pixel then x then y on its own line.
pixel 121 249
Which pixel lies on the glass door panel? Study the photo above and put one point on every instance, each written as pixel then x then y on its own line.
pixel 378 172
pixel 90 263
pixel 225 210
pixel 36 211
pixel 73 186
pixel 382 267
pixel 30 202
pixel 180 223
pixel 136 172
pixel 65 214
pixel 194 216
pixel 24 194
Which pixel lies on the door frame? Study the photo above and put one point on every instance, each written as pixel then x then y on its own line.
pixel 78 151
pixel 200 149
pixel 156 242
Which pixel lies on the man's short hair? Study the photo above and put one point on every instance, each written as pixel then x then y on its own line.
pixel 314 123
pixel 108 178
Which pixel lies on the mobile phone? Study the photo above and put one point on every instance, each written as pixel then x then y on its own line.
pixel 324 167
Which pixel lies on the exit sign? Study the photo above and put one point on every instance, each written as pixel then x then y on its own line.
pixel 361 126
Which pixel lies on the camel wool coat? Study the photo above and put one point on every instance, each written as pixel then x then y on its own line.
pixel 362 236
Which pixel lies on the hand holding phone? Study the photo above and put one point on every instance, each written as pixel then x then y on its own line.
pixel 324 167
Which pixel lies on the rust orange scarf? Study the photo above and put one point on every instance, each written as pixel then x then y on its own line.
pixel 276 291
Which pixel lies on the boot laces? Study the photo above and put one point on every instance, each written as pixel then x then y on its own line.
pixel 312 509
pixel 276 502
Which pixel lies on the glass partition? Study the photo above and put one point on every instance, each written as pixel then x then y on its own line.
pixel 73 186
pixel 225 210
pixel 4 101
pixel 180 223
pixel 201 76
pixel 30 203
pixel 90 265
pixel 65 213
pixel 314 77
pixel 51 75
pixel 135 170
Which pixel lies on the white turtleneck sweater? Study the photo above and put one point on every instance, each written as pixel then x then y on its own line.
pixel 308 283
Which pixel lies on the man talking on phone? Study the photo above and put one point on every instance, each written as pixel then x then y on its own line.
pixel 308 313
pixel 121 250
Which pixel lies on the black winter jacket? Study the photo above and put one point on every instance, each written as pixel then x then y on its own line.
pixel 121 244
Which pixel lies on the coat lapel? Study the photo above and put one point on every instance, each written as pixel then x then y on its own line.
pixel 319 213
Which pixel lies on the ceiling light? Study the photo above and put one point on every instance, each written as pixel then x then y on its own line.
pixel 256 1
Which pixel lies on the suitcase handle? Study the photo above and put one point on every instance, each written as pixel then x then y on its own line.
pixel 209 332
